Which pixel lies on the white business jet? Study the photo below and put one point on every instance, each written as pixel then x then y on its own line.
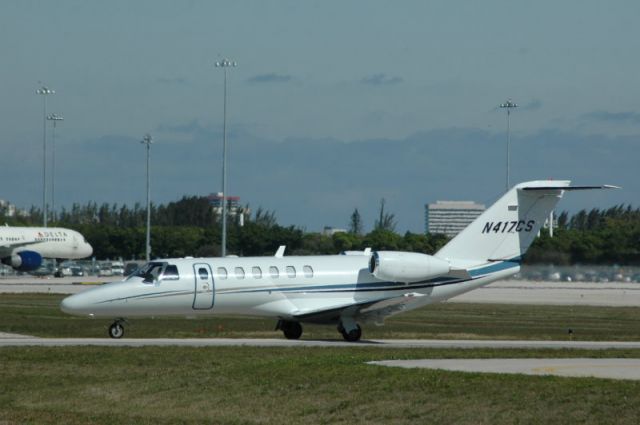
pixel 343 290
pixel 23 248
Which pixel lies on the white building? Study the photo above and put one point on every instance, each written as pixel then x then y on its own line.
pixel 9 210
pixel 450 217
pixel 330 231
pixel 234 210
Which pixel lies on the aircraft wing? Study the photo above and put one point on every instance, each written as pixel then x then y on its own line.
pixel 379 311
pixel 6 249
pixel 371 311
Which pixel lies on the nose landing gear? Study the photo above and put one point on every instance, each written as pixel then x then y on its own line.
pixel 116 330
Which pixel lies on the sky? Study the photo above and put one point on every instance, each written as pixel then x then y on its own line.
pixel 333 106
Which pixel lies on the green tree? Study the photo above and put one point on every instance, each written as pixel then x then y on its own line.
pixel 383 239
pixel 385 220
pixel 355 223
pixel 346 242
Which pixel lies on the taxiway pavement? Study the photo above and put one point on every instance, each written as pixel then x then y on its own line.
pixel 50 285
pixel 609 294
pixel 574 367
pixel 10 340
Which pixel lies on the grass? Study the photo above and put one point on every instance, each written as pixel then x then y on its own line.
pixel 39 315
pixel 249 385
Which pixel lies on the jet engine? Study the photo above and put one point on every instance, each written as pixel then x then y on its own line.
pixel 24 261
pixel 407 267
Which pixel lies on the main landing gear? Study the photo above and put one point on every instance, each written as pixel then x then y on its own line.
pixel 353 335
pixel 291 330
pixel 116 330
pixel 348 328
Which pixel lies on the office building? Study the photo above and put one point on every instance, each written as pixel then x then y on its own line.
pixel 450 217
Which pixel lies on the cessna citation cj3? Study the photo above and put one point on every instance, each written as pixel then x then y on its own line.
pixel 343 290
pixel 23 248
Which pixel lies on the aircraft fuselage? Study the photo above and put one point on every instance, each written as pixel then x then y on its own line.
pixel 286 287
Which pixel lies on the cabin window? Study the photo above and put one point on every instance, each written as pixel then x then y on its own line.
pixel 308 271
pixel 204 274
pixel 274 272
pixel 222 273
pixel 239 271
pixel 291 271
pixel 257 272
pixel 170 273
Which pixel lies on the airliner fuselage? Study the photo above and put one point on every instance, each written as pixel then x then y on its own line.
pixel 23 248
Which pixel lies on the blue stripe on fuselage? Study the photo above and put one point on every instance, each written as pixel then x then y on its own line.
pixel 495 267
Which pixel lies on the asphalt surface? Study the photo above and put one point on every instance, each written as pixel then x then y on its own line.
pixel 51 285
pixel 576 367
pixel 10 340
pixel 610 294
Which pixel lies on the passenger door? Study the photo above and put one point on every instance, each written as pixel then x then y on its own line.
pixel 204 287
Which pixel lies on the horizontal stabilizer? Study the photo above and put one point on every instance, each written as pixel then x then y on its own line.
pixel 604 186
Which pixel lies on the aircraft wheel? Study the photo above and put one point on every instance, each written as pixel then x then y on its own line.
pixel 116 330
pixel 353 335
pixel 292 330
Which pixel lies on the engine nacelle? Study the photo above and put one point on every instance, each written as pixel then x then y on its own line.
pixel 407 267
pixel 24 261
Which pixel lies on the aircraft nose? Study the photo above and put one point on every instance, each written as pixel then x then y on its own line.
pixel 88 249
pixel 75 304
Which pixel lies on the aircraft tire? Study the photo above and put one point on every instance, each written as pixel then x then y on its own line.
pixel 292 330
pixel 353 335
pixel 116 330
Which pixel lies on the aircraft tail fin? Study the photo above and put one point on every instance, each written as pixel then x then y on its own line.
pixel 506 229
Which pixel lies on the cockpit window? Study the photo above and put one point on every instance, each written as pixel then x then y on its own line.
pixel 149 272
pixel 170 273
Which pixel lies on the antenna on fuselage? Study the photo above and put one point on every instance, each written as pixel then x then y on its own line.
pixel 280 251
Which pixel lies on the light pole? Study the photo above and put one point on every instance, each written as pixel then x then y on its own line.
pixel 224 64
pixel 508 105
pixel 54 118
pixel 44 91
pixel 147 140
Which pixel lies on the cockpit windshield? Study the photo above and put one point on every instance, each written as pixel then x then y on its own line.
pixel 156 271
pixel 150 272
